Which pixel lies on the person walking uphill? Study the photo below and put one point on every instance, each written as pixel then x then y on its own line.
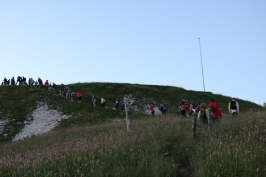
pixel 151 108
pixel 163 109
pixel 94 100
pixel 5 81
pixel 40 82
pixel 182 108
pixel 203 113
pixel 215 111
pixel 72 94
pixel 13 81
pixel 233 107
pixel 19 80
pixel 46 84
pixel 103 102
pixel 79 95
pixel 62 89
pixel 116 104
pixel 54 86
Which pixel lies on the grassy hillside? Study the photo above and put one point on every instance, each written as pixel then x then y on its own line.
pixel 88 144
pixel 160 146
pixel 17 102
pixel 145 94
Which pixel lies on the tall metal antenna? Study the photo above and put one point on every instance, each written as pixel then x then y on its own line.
pixel 201 66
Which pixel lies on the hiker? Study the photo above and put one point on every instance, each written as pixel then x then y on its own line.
pixel 35 83
pixel 72 94
pixel 40 82
pixel 103 102
pixel 62 89
pixel 18 80
pixel 116 104
pixel 151 108
pixel 163 109
pixel 66 92
pixel 215 111
pixel 79 95
pixel 191 109
pixel 5 81
pixel 94 100
pixel 203 114
pixel 182 108
pixel 46 84
pixel 69 94
pixel 31 81
pixel 197 108
pixel 13 81
pixel 54 87
pixel 122 106
pixel 233 107
pixel 24 81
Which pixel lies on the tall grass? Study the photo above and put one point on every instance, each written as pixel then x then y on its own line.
pixel 158 146
pixel 102 150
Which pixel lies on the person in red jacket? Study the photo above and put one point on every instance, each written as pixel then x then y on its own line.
pixel 182 108
pixel 197 108
pixel 215 111
pixel 151 109
pixel 79 95
pixel 46 84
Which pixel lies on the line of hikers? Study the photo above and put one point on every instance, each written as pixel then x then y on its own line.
pixel 70 94
pixel 162 109
pixel 63 91
pixel 203 110
pixel 21 81
pixel 185 109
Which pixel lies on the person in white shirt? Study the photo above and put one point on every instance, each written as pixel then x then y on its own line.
pixel 102 102
pixel 233 107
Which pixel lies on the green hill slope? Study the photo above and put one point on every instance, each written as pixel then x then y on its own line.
pixel 17 103
pixel 88 144
pixel 145 94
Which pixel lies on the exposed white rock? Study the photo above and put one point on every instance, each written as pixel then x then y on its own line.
pixel 44 120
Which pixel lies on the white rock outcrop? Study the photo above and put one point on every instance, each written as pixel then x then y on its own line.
pixel 43 120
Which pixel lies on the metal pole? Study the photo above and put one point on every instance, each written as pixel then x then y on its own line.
pixel 201 66
pixel 127 119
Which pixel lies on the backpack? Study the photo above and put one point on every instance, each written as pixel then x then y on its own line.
pixel 79 94
pixel 183 107
pixel 203 115
pixel 233 105
pixel 163 108
pixel 212 109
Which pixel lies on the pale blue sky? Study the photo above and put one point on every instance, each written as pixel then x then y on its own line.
pixel 145 42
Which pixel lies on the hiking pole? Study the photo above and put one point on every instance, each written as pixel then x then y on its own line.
pixel 210 122
pixel 194 126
